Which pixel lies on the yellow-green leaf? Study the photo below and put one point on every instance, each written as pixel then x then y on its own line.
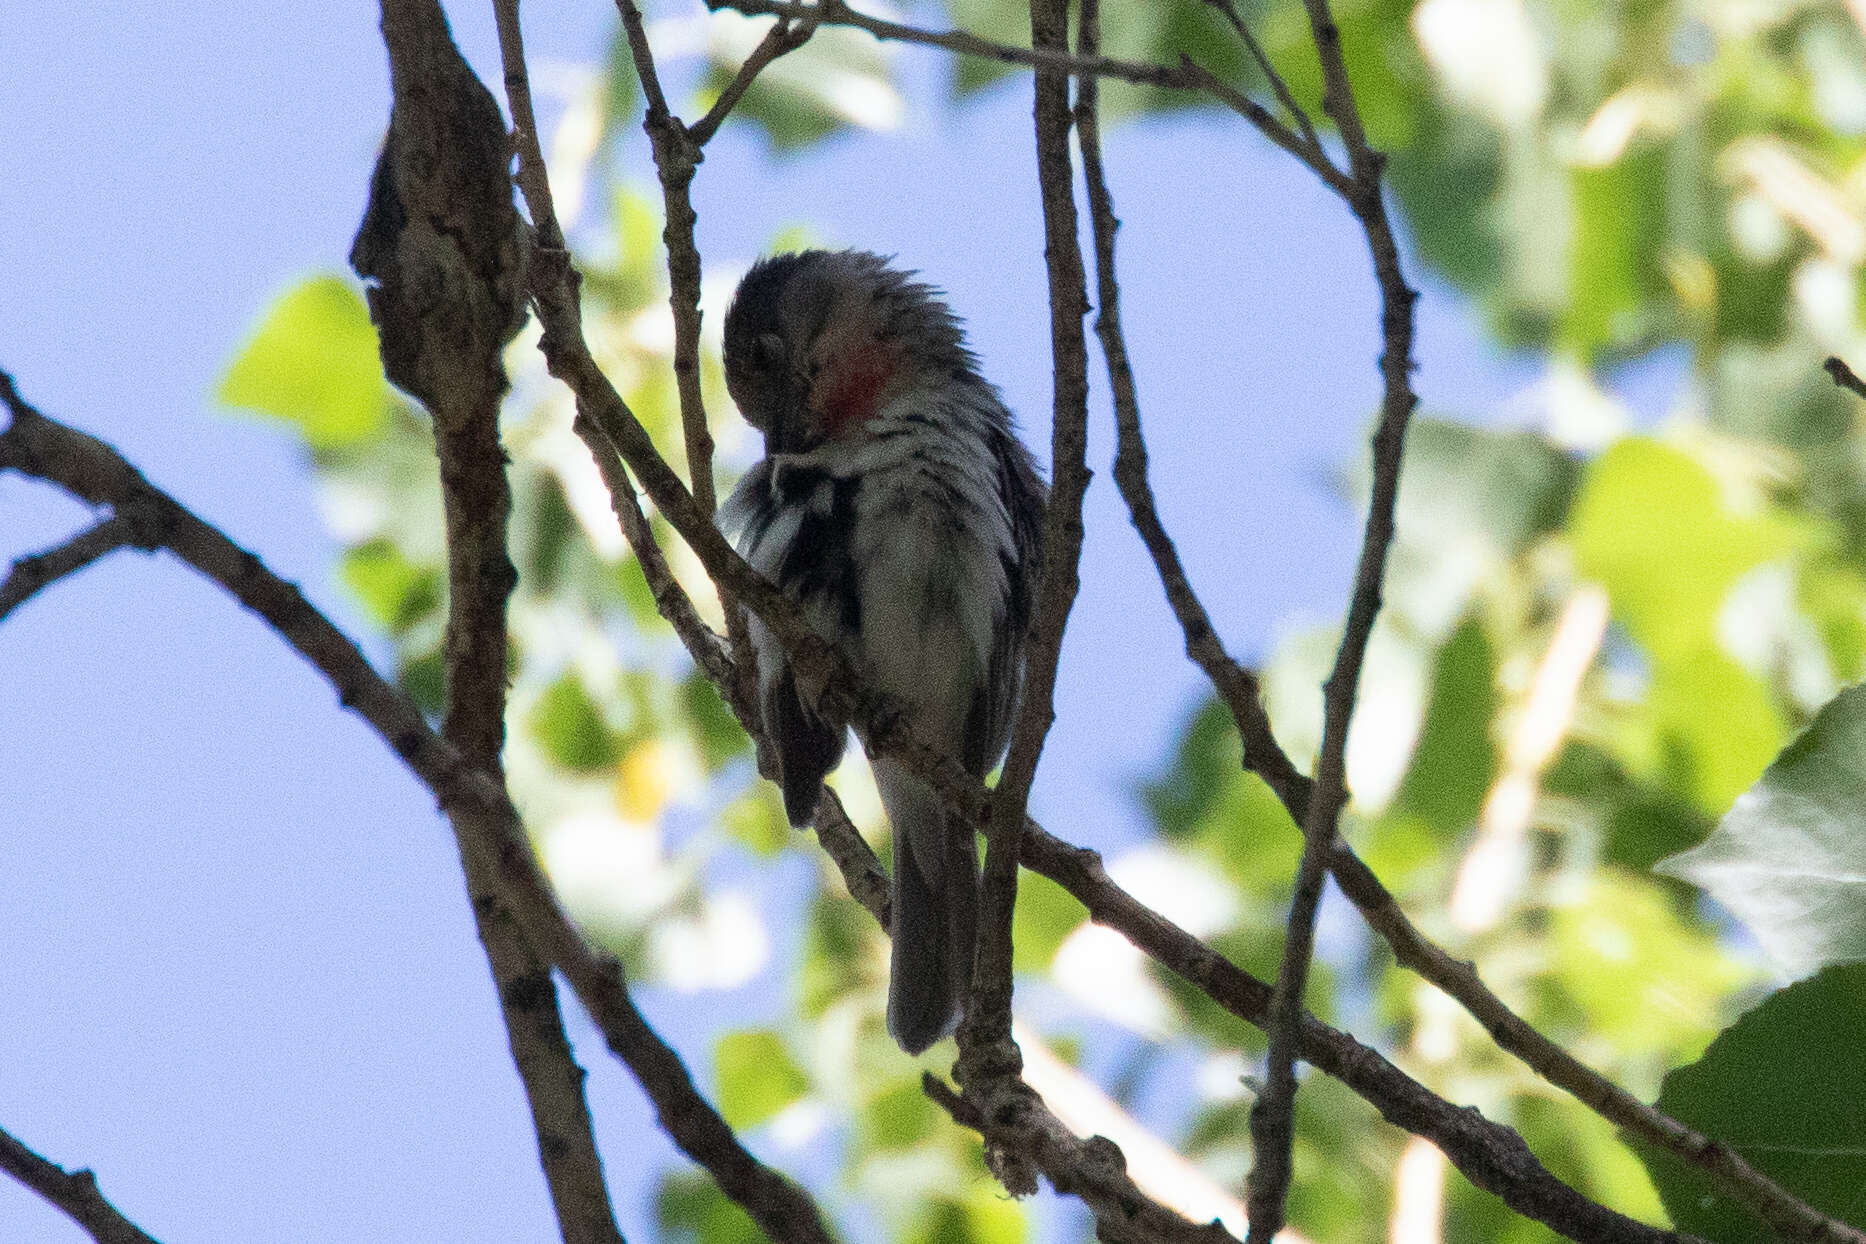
pixel 313 363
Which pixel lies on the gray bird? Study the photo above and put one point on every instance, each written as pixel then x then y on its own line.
pixel 897 506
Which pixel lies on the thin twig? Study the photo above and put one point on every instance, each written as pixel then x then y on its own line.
pixel 485 818
pixel 1284 96
pixel 1187 75
pixel 1844 376
pixel 74 1192
pixel 1272 1118
pixel 783 38
pixel 986 1048
pixel 1490 1155
pixel 36 572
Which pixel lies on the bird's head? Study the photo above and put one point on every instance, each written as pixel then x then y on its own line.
pixel 817 342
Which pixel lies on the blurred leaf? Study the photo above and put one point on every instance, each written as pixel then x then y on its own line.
pixel 841 77
pixel 1455 761
pixel 756 820
pixel 1785 1086
pixel 646 778
pixel 1790 858
pixel 756 1075
pixel 1627 969
pixel 423 676
pixel 396 592
pixel 1619 221
pixel 1469 497
pixel 898 1117
pixel 1206 758
pixel 716 731
pixel 1045 914
pixel 1651 526
pixel 836 942
pixel 693 1209
pixel 1642 823
pixel 313 363
pixel 1716 726
pixel 569 726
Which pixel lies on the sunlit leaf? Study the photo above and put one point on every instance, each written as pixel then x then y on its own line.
pixel 1627 968
pixel 567 722
pixel 1785 1087
pixel 840 78
pixel 693 1210
pixel 1618 230
pixel 1651 526
pixel 1045 914
pixel 757 1077
pixel 757 820
pixel 1790 857
pixel 313 363
pixel 1455 761
pixel 396 592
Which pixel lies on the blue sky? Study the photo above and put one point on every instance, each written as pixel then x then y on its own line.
pixel 241 980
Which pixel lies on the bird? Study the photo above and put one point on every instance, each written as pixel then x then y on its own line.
pixel 896 505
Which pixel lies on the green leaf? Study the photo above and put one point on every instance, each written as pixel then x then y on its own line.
pixel 1469 498
pixel 1619 224
pixel 1790 858
pixel 1652 527
pixel 396 592
pixel 1045 914
pixel 1628 970
pixel 313 363
pixel 693 1209
pixel 1205 760
pixel 1785 1087
pixel 716 731
pixel 756 820
pixel 1715 726
pixel 569 726
pixel 1455 761
pixel 756 1075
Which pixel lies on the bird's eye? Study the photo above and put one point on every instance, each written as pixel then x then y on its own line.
pixel 768 350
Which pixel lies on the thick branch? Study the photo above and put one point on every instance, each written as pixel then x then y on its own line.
pixel 441 245
pixel 484 817
pixel 74 1192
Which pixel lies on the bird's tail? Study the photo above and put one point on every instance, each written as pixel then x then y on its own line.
pixel 935 910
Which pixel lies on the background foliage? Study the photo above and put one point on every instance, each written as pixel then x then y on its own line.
pixel 1598 636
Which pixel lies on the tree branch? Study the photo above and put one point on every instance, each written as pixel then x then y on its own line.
pixel 1277 85
pixel 987 1052
pixel 1844 376
pixel 783 38
pixel 440 218
pixel 606 419
pixel 484 817
pixel 33 574
pixel 74 1192
pixel 1092 1170
pixel 1272 1119
pixel 1187 75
